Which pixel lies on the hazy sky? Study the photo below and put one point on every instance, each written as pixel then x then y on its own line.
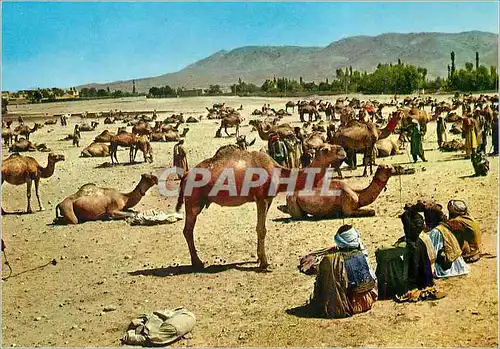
pixel 68 44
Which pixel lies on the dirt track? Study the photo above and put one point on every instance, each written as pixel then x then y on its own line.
pixel 111 263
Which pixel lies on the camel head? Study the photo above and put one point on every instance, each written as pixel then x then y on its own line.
pixel 53 158
pixel 330 154
pixel 147 181
pixel 384 172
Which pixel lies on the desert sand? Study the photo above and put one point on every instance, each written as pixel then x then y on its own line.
pixel 138 269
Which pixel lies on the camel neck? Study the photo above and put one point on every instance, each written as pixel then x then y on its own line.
pixel 387 130
pixel 134 196
pixel 46 172
pixel 370 193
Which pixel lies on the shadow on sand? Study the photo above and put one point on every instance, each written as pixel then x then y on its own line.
pixel 304 311
pixel 188 269
pixel 109 164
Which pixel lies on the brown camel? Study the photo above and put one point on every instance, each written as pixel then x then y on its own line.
pixel 123 139
pixel 310 110
pixel 407 115
pixel 363 136
pixel 92 203
pixel 95 150
pixel 104 137
pixel 142 128
pixel 18 169
pixel 24 130
pixel 346 114
pixel 282 130
pixel 22 145
pixel 290 104
pixel 240 161
pixel 231 120
pixel 387 147
pixel 347 203
pixel 87 128
pixel 143 145
pixel 7 135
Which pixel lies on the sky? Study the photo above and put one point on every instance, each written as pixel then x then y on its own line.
pixel 63 44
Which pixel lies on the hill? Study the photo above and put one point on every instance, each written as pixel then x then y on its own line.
pixel 256 63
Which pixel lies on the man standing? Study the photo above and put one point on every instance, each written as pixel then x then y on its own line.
pixel 76 136
pixel 277 150
pixel 180 158
pixel 494 133
pixel 417 149
pixel 469 133
pixel 441 131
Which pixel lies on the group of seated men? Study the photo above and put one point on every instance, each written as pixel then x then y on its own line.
pixel 436 246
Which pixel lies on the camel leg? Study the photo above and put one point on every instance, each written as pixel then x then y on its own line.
pixel 37 183
pixel 192 213
pixel 67 212
pixel 28 195
pixel 3 212
pixel 225 130
pixel 131 154
pixel 117 214
pixel 361 213
pixel 237 131
pixel 262 208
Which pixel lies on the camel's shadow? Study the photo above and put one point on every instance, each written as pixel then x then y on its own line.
pixel 17 213
pixel 304 311
pixel 188 269
pixel 309 218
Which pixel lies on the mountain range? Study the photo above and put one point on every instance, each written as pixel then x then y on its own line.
pixel 255 64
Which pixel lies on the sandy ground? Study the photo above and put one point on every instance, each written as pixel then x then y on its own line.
pixel 100 264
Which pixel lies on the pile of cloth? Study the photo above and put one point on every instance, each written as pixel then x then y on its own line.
pixel 153 217
pixel 454 145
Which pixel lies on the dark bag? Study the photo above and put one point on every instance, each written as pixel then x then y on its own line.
pixel 480 163
pixel 392 270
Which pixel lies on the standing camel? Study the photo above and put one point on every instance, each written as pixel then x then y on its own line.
pixel 24 130
pixel 290 104
pixel 231 120
pixel 357 135
pixel 18 169
pixel 240 161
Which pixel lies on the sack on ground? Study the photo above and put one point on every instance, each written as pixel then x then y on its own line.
pixel 159 327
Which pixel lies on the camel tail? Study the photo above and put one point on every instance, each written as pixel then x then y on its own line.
pixel 180 199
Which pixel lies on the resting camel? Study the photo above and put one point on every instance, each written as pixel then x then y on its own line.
pixel 22 145
pixel 231 120
pixel 240 161
pixel 104 137
pixel 24 130
pixel 18 169
pixel 363 136
pixel 95 150
pixel 347 204
pixel 86 127
pixel 92 203
pixel 387 147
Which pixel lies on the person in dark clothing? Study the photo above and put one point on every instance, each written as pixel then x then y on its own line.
pixel 494 134
pixel 419 269
pixel 441 131
pixel 76 136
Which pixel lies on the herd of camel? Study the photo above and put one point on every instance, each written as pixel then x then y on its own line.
pixel 349 124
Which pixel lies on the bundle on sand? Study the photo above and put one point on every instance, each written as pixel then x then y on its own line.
pixel 153 217
pixel 454 145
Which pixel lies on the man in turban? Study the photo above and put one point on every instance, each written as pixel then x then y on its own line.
pixel 466 230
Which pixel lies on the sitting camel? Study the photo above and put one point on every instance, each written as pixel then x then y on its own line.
pixel 92 203
pixel 347 204
pixel 240 161
pixel 18 169
pixel 104 137
pixel 266 130
pixel 22 145
pixel 95 150
pixel 87 128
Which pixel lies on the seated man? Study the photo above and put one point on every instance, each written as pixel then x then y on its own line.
pixel 345 284
pixel 466 230
pixel 449 260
